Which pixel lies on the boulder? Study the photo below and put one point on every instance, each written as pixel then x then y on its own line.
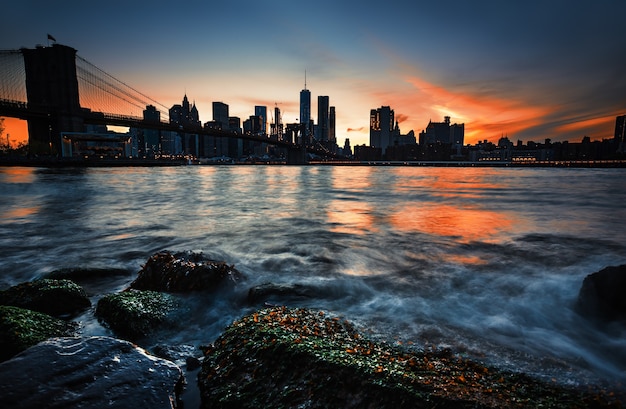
pixel 21 329
pixel 282 357
pixel 96 372
pixel 602 294
pixel 52 297
pixel 183 272
pixel 82 274
pixel 134 314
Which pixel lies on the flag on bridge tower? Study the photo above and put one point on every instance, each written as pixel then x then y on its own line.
pixel 52 38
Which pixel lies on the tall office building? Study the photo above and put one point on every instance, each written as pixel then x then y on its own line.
pixel 261 112
pixel 220 115
pixel 381 127
pixel 186 115
pixel 332 135
pixel 323 123
pixel 620 133
pixel 305 115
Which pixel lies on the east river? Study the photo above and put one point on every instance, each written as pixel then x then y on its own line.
pixel 485 261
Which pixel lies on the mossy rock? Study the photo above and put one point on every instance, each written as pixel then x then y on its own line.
pixel 184 272
pixel 134 314
pixel 21 328
pixel 283 358
pixel 52 297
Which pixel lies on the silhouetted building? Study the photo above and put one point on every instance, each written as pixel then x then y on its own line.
pixel 443 133
pixel 332 132
pixel 185 115
pixel 276 127
pixel 383 128
pixel 306 130
pixel 261 112
pixel 323 123
pixel 620 133
pixel 150 140
pixel 347 150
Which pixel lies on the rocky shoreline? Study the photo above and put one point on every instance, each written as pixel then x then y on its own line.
pixel 274 357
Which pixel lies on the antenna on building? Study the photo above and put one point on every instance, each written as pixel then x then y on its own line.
pixel 304 79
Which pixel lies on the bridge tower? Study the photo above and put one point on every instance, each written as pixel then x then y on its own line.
pixel 51 82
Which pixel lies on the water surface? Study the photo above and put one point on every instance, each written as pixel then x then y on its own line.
pixel 485 261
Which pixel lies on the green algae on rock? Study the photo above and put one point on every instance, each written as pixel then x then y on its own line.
pixel 53 297
pixel 134 314
pixel 21 328
pixel 284 358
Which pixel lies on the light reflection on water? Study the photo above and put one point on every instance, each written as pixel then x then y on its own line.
pixel 487 261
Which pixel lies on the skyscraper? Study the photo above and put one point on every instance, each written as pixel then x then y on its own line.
pixel 620 133
pixel 261 112
pixel 332 135
pixel 305 114
pixel 323 122
pixel 381 127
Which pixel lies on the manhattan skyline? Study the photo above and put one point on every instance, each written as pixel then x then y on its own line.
pixel 530 71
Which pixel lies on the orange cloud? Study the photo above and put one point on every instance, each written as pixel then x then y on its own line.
pixel 586 124
pixel 484 117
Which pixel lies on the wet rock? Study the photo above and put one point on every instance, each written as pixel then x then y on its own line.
pixel 181 355
pixel 183 272
pixel 52 297
pixel 267 291
pixel 602 294
pixel 135 314
pixel 81 274
pixel 284 358
pixel 95 372
pixel 21 329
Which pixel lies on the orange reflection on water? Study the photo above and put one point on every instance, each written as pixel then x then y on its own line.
pixel 350 217
pixel 18 212
pixel 447 182
pixel 467 223
pixel 17 174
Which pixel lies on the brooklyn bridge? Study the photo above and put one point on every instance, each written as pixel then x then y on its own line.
pixel 60 94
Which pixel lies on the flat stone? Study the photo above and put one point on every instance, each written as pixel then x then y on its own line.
pixel 93 372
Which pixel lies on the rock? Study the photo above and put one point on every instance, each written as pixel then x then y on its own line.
pixel 282 358
pixel 95 372
pixel 181 355
pixel 80 274
pixel 602 294
pixel 21 329
pixel 52 297
pixel 264 292
pixel 134 314
pixel 183 272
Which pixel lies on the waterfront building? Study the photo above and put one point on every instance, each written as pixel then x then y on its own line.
pixel 323 124
pixel 443 133
pixel 383 128
pixel 186 115
pixel 150 139
pixel 261 112
pixel 332 134
pixel 620 133
pixel 305 116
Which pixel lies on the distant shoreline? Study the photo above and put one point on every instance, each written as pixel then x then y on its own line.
pixel 125 162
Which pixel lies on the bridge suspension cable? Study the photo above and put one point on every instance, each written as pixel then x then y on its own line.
pixel 12 76
pixel 102 92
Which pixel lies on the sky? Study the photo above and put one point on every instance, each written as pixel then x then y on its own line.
pixel 529 70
